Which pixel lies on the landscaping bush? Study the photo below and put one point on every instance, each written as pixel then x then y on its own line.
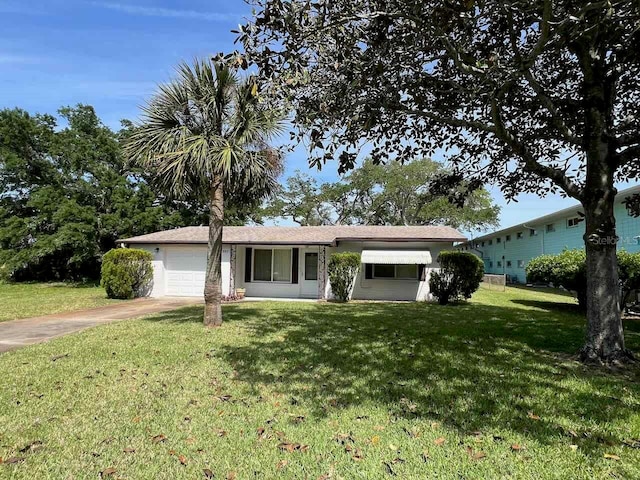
pixel 629 275
pixel 567 269
pixel 459 276
pixel 126 272
pixel 343 269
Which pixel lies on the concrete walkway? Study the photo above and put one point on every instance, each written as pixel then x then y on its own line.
pixel 26 331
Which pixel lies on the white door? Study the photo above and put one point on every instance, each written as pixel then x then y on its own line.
pixel 309 272
pixel 186 268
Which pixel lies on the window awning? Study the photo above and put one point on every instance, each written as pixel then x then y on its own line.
pixel 397 257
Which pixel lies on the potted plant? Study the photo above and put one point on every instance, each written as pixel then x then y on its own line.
pixel 240 293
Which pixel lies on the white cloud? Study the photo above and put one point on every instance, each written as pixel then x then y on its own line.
pixel 167 12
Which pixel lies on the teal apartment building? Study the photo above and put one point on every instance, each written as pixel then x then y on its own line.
pixel 507 251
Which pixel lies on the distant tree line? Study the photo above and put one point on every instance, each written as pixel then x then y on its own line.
pixel 67 193
pixel 378 194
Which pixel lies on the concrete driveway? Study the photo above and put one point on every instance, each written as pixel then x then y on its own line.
pixel 26 331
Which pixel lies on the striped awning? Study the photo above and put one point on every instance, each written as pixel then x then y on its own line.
pixel 397 257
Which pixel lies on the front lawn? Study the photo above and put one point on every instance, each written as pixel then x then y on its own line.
pixel 319 391
pixel 23 300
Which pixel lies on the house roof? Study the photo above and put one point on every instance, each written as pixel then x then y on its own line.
pixel 321 235
pixel 565 212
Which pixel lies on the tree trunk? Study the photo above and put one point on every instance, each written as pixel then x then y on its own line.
pixel 213 281
pixel 605 338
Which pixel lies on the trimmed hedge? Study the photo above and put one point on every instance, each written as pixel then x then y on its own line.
pixel 459 276
pixel 569 270
pixel 126 273
pixel 343 269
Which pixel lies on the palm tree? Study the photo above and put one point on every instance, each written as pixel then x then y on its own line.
pixel 205 136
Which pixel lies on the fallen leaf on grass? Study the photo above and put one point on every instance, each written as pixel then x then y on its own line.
pixel 58 357
pixel 13 460
pixel 231 475
pixel 108 472
pixel 182 459
pixel 476 455
pixel 440 441
pixel 425 456
pixel 292 447
pixel 516 447
pixel 136 420
pixel 32 446
pixel 281 464
pixel 159 438
pixel 375 440
pixel 611 456
pixel 533 416
pixel 573 447
pixel 208 473
pixel 221 433
pixel 378 428
pixel 129 450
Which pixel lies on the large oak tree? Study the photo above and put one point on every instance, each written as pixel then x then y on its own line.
pixel 534 95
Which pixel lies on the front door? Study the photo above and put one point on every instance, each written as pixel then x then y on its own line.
pixel 309 273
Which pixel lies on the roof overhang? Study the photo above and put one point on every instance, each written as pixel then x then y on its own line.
pixel 397 257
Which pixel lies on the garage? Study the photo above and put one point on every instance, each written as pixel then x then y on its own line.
pixel 185 269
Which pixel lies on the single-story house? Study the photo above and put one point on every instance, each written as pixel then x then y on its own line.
pixel 291 262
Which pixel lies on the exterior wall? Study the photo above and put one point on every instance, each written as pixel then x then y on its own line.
pixel 158 282
pixel 389 289
pixel 564 237
pixel 269 289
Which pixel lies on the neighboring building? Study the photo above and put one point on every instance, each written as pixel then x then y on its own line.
pixel 291 262
pixel 507 251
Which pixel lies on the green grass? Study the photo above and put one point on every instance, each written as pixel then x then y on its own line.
pixel 375 390
pixel 23 300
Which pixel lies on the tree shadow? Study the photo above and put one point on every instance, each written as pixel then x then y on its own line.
pixel 470 367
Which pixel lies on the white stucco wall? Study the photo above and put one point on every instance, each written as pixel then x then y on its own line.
pixel 390 289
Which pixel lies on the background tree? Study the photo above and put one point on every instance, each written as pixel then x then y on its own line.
pixel 375 194
pixel 535 95
pixel 204 136
pixel 66 196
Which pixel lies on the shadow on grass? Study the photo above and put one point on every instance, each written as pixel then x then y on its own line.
pixel 472 367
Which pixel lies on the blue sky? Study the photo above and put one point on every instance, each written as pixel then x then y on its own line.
pixel 112 53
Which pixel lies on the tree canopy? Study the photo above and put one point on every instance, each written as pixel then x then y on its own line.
pixel 376 194
pixel 532 95
pixel 67 194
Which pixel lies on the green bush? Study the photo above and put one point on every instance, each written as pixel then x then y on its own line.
pixel 343 269
pixel 459 276
pixel 126 272
pixel 629 274
pixel 567 269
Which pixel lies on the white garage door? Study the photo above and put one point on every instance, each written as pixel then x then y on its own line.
pixel 186 269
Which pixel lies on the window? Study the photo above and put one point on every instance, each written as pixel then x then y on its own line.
pixel 520 263
pixel 498 240
pixel 490 242
pixel 574 222
pixel 499 264
pixel 395 271
pixel 508 263
pixel 310 266
pixel 519 235
pixel 507 238
pixel 272 265
pixel 483 243
pixel 490 264
pixel 533 232
pixel 551 228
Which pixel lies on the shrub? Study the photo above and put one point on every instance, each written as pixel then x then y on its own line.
pixel 459 276
pixel 629 274
pixel 343 269
pixel 126 272
pixel 567 269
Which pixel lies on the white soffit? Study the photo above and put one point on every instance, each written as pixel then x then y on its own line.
pixel 398 257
